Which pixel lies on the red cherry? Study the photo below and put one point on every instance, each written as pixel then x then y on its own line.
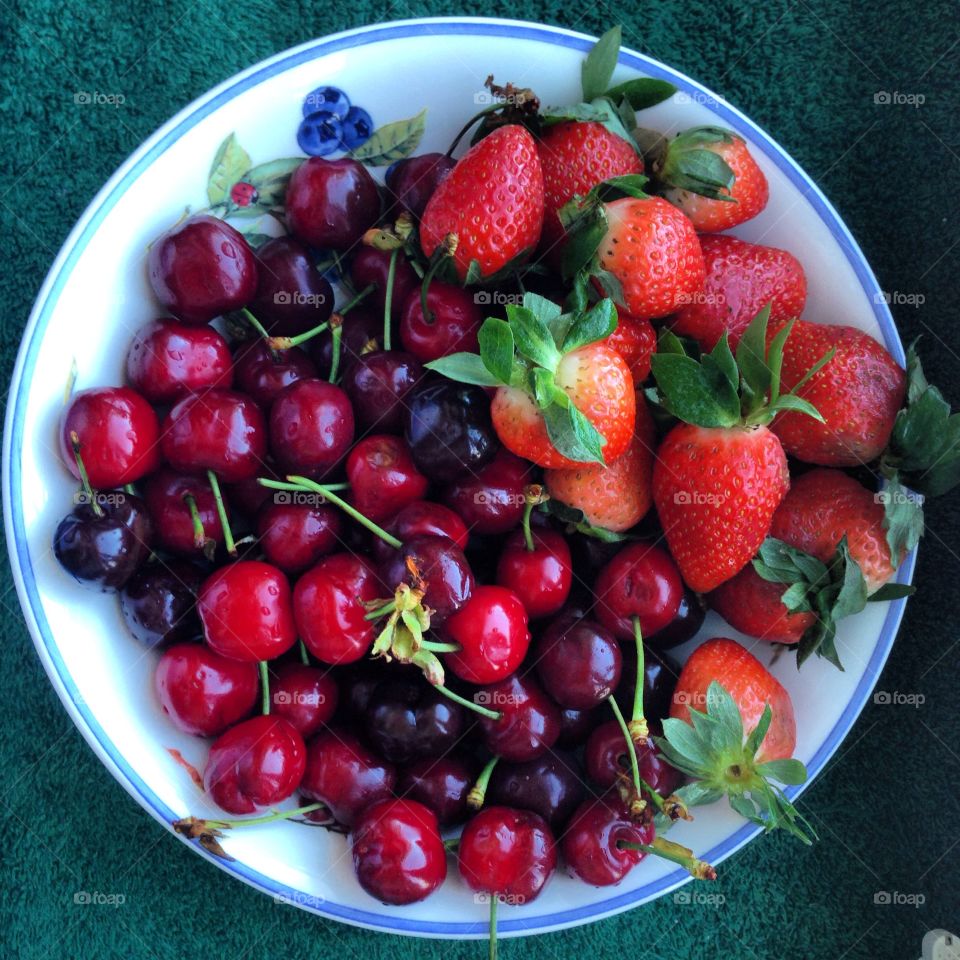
pixel 591 842
pixel 442 784
pixel 345 776
pixel 529 724
pixel 247 611
pixel 398 853
pixel 168 359
pixel 378 383
pixel 306 696
pixel 383 478
pixel 491 629
pixel 605 758
pixel 578 662
pixel 118 434
pixel 370 265
pixel 164 494
pixel 311 426
pixel 411 182
pixel 508 853
pixel 263 373
pixel 455 320
pixel 640 581
pixel 421 517
pixel 255 764
pixel 328 605
pixel 218 430
pixel 202 692
pixel 294 536
pixel 491 500
pixel 541 577
pixel 202 268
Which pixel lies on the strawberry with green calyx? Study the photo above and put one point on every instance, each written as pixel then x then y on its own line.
pixel 720 475
pixel 563 397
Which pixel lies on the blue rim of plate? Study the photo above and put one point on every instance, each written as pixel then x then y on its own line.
pixel 74 246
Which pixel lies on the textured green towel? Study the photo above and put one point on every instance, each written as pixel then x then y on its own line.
pixel 887 805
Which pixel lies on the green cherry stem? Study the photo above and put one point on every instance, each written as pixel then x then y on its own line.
pixel 304 655
pixel 129 488
pixel 469 704
pixel 84 476
pixel 639 784
pixel 533 495
pixel 388 298
pixel 266 818
pixel 356 299
pixel 285 343
pixel 638 722
pixel 478 792
pixel 447 249
pixel 675 853
pixel 222 514
pixel 336 336
pixel 199 535
pixel 451 845
pixel 493 926
pixel 261 330
pixel 264 688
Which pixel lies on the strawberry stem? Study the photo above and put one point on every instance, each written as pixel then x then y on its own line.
pixel 478 792
pixel 222 513
pixel 84 477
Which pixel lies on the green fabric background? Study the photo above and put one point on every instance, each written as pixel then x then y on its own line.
pixel 887 805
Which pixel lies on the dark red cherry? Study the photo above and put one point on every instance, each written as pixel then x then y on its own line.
pixel 377 384
pixel 685 624
pixel 248 496
pixel 491 629
pixel 660 679
pixel 441 565
pixel 345 776
pixel 591 842
pixel 640 581
pixel 311 426
pixel 398 853
pixel 159 603
pixel 606 757
pixel 411 182
pixel 118 432
pixel 491 501
pixel 455 319
pixel 331 203
pixel 383 477
pixel 506 852
pixel 247 611
pixel 578 662
pixel 541 577
pixel 328 605
pixel 361 332
pixel 218 430
pixel 442 784
pixel 255 764
pixel 107 548
pixel 168 359
pixel 529 724
pixel 263 373
pixel 550 785
pixel 409 719
pixel 295 535
pixel 292 295
pixel 165 493
pixel 306 696
pixel 370 265
pixel 575 727
pixel 357 682
pixel 202 268
pixel 421 517
pixel 202 692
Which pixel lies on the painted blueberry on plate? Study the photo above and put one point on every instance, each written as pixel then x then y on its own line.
pixel 357 127
pixel 320 133
pixel 326 99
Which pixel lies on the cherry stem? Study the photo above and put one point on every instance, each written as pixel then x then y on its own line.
pixel 451 845
pixel 469 704
pixel 493 108
pixel 638 723
pixel 532 496
pixel 437 646
pixel 264 688
pixel 129 488
pixel 336 335
pixel 493 926
pixel 388 298
pixel 261 330
pixel 478 792
pixel 349 509
pixel 357 298
pixel 428 317
pixel 266 818
pixel 285 343
pixel 199 536
pixel 304 655
pixel 640 785
pixel 222 513
pixel 84 476
pixel 675 853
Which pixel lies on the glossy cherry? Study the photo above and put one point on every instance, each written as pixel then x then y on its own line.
pixel 292 295
pixel 165 493
pixel 117 431
pixel 449 430
pixel 331 203
pixel 491 500
pixel 575 727
pixel 550 785
pixel 383 477
pixel 491 630
pixel 411 182
pixel 168 359
pixel 371 266
pixel 541 577
pixel 640 581
pixel 255 764
pixel 508 853
pixel 398 853
pixel 311 426
pixel 345 776
pixel 295 535
pixel 219 430
pixel 159 603
pixel 685 624
pixel 442 784
pixel 328 605
pixel 605 758
pixel 306 696
pixel 247 611
pixel 578 662
pixel 263 373
pixel 202 268
pixel 660 679
pixel 591 842
pixel 421 517
pixel 455 319
pixel 529 723
pixel 378 384
pixel 361 332
pixel 202 692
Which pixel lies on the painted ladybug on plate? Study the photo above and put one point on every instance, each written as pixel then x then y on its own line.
pixel 243 194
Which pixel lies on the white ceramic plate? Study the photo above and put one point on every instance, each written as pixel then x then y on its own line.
pixel 96 295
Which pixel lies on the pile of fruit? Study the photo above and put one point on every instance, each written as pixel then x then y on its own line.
pixel 420 560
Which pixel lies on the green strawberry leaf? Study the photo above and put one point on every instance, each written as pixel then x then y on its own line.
pixel 752 354
pixel 642 93
pixel 669 342
pixel 496 348
pixel 596 324
pixel 597 69
pixel 573 435
pixel 545 390
pixel 626 113
pixel 392 142
pixel 585 228
pixel 791 402
pixel 688 165
pixel 696 393
pixel 465 368
pixel 577 523
pixel 902 518
pixel 229 165
pixel 615 188
pixel 722 360
pixel 610 285
pixel 892 591
pixel 533 337
pixel 791 772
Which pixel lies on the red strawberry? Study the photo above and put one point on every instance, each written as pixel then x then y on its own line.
pixel 492 201
pixel 575 157
pixel 681 171
pixel 823 507
pixel 858 393
pixel 617 496
pixel 753 606
pixel 741 279
pixel 635 340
